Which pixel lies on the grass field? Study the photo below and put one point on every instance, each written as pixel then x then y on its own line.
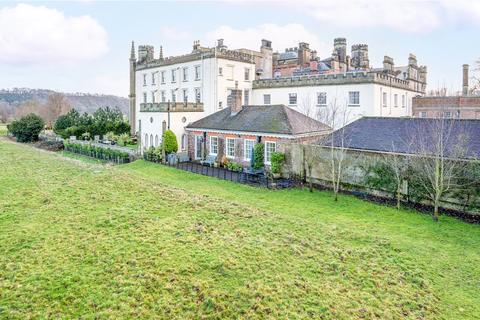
pixel 3 129
pixel 80 239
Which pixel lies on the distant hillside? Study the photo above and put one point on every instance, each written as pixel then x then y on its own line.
pixel 83 102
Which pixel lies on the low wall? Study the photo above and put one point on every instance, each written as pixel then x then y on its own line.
pixel 354 170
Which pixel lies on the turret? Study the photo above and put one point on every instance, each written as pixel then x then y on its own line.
pixel 340 46
pixel 132 96
pixel 388 64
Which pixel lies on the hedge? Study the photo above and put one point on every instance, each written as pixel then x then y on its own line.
pixel 97 152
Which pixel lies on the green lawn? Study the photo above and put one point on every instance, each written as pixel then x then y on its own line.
pixel 3 129
pixel 87 240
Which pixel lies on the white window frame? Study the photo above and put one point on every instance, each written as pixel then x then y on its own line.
pixel 198 75
pixel 163 96
pixel 144 79
pixel 352 94
pixel 246 97
pixel 174 96
pixel 384 99
pixel 197 137
pixel 269 99
pixel 403 101
pixel 322 103
pixel 198 95
pixel 245 149
pixel 290 96
pixel 210 145
pixel 267 153
pixel 144 97
pixel 153 96
pixel 247 74
pixel 153 78
pixel 162 74
pixel 184 142
pixel 185 74
pixel 174 75
pixel 395 100
pixel 185 95
pixel 227 148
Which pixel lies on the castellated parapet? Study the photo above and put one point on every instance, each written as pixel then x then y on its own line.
pixel 356 77
pixel 360 56
pixel 340 47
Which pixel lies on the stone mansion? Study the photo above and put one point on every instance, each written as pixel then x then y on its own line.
pixel 173 92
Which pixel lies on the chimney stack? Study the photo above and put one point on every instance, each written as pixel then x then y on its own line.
pixel 235 100
pixel 465 80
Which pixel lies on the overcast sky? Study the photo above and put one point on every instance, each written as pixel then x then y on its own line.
pixel 84 46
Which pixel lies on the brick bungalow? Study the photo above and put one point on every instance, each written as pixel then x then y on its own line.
pixel 233 131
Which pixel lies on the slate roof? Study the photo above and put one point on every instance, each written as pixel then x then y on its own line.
pixel 400 135
pixel 274 119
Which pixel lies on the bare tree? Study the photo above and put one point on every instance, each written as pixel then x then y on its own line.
pixel 440 147
pixel 27 108
pixel 56 105
pixel 335 115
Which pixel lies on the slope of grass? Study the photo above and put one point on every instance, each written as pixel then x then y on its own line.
pixel 81 239
pixel 3 129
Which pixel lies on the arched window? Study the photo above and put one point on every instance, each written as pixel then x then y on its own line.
pixel 151 140
pixel 146 141
pixel 156 140
pixel 184 141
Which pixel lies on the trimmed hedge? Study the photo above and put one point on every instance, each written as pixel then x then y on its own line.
pixel 97 152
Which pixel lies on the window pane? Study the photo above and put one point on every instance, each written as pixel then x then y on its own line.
pixel 322 98
pixel 248 149
pixel 266 99
pixel 292 98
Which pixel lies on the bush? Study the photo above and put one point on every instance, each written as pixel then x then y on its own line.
pixel 258 154
pixel 276 162
pixel 170 142
pixel 86 136
pixel 124 139
pixel 234 166
pixel 153 154
pixel 27 128
pixel 97 152
pixel 111 136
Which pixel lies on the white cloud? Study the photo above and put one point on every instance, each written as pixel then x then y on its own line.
pixel 411 16
pixel 285 36
pixel 408 16
pixel 40 35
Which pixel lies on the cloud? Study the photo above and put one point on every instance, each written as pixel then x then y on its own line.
pixel 409 16
pixel 288 35
pixel 40 35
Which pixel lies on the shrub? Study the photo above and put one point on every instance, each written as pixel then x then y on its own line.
pixel 258 154
pixel 276 162
pixel 111 136
pixel 234 166
pixel 170 142
pixel 153 154
pixel 27 128
pixel 124 139
pixel 97 152
pixel 86 136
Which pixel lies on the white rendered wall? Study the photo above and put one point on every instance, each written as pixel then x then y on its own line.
pixel 214 88
pixel 371 103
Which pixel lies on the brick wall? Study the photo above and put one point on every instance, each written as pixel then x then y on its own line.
pixel 459 107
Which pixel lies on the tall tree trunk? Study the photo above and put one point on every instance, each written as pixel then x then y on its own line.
pixel 435 212
pixel 398 197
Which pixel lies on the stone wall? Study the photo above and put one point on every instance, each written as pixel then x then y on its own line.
pixel 353 178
